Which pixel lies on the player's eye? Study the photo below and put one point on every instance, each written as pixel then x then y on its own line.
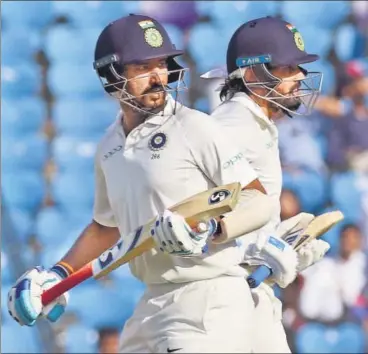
pixel 162 64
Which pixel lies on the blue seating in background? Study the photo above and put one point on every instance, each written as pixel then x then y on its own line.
pixel 69 45
pixel 206 48
pixel 86 14
pixel 27 14
pixel 176 35
pixel 20 80
pixel 79 338
pixel 18 339
pixel 74 81
pixel 349 42
pixel 100 305
pixel 84 118
pixel 23 154
pixel 19 46
pixel 24 191
pixel 72 154
pixel 310 339
pixel 309 186
pixel 21 224
pixel 325 14
pixel 51 226
pixel 52 253
pixel 54 225
pixel 203 105
pixel 203 8
pixel 22 117
pixel 73 190
pixel 226 13
pixel 7 275
pixel 317 338
pixel 346 196
pixel 351 339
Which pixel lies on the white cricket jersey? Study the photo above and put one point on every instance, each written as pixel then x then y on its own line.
pixel 257 135
pixel 161 162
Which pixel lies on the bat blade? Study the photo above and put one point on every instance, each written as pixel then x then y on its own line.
pixel 201 207
pixel 317 227
pixel 198 208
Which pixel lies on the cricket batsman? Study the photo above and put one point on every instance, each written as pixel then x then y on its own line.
pixel 157 153
pixel 266 81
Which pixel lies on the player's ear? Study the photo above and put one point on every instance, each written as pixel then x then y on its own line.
pixel 249 76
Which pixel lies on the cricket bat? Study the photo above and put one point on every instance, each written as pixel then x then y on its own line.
pixel 196 210
pixel 315 228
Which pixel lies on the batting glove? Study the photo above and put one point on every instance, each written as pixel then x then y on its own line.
pixel 311 253
pixel 277 255
pixel 24 298
pixel 174 236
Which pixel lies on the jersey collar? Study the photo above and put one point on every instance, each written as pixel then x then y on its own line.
pixel 165 114
pixel 246 101
pixel 157 119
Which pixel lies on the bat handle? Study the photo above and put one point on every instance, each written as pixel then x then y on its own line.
pixel 66 284
pixel 258 276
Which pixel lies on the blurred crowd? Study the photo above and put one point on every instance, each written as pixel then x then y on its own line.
pixel 53 111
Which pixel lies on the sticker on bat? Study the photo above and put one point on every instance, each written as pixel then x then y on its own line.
pixel 292 237
pixel 218 196
pixel 302 240
pixel 108 256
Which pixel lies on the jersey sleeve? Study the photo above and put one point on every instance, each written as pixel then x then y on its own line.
pixel 102 212
pixel 217 156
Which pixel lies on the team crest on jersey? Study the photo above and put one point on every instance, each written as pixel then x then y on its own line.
pixel 158 141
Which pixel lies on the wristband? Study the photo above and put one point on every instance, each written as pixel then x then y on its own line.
pixel 62 269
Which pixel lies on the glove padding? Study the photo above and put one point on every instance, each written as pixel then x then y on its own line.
pixel 277 255
pixel 24 298
pixel 311 253
pixel 173 235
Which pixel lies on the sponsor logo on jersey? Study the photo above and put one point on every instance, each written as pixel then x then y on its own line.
pixel 218 196
pixel 233 160
pixel 112 152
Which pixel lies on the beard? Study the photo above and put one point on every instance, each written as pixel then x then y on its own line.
pixel 139 102
pixel 291 103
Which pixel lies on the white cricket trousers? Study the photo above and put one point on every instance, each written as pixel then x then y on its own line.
pixel 269 334
pixel 207 316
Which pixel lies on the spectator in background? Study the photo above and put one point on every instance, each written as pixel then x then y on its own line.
pixel 348 143
pixel 291 317
pixel 179 13
pixel 290 204
pixel 108 341
pixel 298 147
pixel 360 14
pixel 332 286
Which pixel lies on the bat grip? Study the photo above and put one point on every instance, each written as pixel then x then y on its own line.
pixel 258 276
pixel 66 284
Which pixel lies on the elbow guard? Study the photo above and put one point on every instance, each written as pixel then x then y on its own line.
pixel 253 211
